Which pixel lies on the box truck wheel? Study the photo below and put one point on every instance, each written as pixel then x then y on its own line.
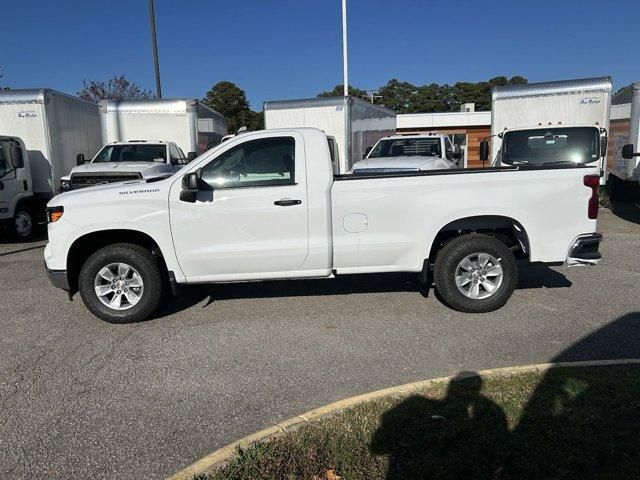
pixel 22 225
pixel 475 273
pixel 121 283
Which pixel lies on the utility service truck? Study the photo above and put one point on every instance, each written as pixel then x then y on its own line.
pixel 353 125
pixel 550 123
pixel 129 132
pixel 266 205
pixel 41 134
pixel 623 162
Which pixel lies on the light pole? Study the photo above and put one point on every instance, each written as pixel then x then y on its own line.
pixel 345 81
pixel 154 42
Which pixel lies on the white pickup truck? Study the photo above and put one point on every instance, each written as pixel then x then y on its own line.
pixel 122 161
pixel 266 205
pixel 401 153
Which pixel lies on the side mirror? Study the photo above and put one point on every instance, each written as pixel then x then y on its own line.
pixel 80 159
pixel 457 152
pixel 191 156
pixel 190 186
pixel 367 152
pixel 604 141
pixel 627 151
pixel 484 150
pixel 17 160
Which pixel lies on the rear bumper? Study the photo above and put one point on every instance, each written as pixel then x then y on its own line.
pixel 59 279
pixel 584 250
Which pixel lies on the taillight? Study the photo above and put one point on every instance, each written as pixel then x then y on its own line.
pixel 593 182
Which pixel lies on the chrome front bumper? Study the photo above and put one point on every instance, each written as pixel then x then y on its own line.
pixel 584 250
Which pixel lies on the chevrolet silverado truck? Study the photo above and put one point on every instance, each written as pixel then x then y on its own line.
pixel 121 161
pixel 399 153
pixel 266 205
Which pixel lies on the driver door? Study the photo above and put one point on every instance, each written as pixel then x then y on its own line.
pixel 249 219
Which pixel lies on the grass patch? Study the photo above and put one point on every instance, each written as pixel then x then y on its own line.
pixel 565 423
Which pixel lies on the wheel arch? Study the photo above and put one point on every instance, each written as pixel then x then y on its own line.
pixel 85 245
pixel 506 229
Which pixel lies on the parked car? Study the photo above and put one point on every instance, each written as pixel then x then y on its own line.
pixel 125 161
pixel 399 153
pixel 265 205
pixel 42 131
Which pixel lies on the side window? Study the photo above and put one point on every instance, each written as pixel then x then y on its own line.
pixel 448 148
pixel 5 152
pixel 255 163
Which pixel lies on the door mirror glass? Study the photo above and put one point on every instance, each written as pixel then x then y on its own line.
pixel 627 151
pixel 604 141
pixel 484 151
pixel 80 159
pixel 190 186
pixel 17 160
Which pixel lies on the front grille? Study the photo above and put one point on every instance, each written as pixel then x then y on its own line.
pixel 90 180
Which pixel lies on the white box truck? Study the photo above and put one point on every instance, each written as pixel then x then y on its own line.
pixel 190 124
pixel 550 123
pixel 623 161
pixel 42 133
pixel 352 125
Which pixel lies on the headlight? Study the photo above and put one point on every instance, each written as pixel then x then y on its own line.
pixel 54 214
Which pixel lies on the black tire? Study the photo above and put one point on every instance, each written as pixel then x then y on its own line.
pixel 23 224
pixel 141 260
pixel 454 252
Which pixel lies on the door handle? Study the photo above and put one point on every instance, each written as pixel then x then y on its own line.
pixel 287 202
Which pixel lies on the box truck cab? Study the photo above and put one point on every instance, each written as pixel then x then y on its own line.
pixel 42 132
pixel 123 161
pixel 550 123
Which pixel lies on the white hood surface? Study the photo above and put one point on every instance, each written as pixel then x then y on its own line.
pixel 408 163
pixel 147 169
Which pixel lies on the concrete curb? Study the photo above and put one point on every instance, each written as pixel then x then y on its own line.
pixel 225 454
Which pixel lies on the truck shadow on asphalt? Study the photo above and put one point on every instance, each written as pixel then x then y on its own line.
pixel 576 423
pixel 529 277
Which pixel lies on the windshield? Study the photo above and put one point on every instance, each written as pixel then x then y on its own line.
pixel 553 145
pixel 407 147
pixel 5 152
pixel 132 153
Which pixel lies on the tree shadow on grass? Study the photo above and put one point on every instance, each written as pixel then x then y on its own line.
pixel 576 424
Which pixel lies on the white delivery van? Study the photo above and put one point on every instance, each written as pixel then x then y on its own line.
pixel 551 122
pixel 43 132
pixel 352 124
pixel 190 124
pixel 623 160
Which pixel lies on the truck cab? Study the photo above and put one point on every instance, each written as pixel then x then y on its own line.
pixel 550 145
pixel 16 193
pixel 402 153
pixel 123 161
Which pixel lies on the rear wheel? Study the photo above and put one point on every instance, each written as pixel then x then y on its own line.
pixel 475 273
pixel 121 283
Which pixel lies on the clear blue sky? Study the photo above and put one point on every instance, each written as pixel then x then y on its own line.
pixel 277 49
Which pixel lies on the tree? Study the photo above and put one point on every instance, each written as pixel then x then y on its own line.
pixel 116 88
pixel 398 96
pixel 338 91
pixel 231 101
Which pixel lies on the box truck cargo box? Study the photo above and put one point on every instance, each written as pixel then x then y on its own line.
pixel 193 126
pixel 624 164
pixel 352 123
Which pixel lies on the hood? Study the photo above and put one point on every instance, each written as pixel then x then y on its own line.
pixel 112 167
pixel 414 162
pixel 107 190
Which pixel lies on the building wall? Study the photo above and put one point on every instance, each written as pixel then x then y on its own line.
pixel 474 135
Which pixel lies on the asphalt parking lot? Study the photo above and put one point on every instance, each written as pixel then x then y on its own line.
pixel 80 397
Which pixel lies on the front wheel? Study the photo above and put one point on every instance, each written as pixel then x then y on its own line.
pixel 475 273
pixel 22 226
pixel 121 283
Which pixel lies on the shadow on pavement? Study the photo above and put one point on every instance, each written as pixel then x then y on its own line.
pixel 575 424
